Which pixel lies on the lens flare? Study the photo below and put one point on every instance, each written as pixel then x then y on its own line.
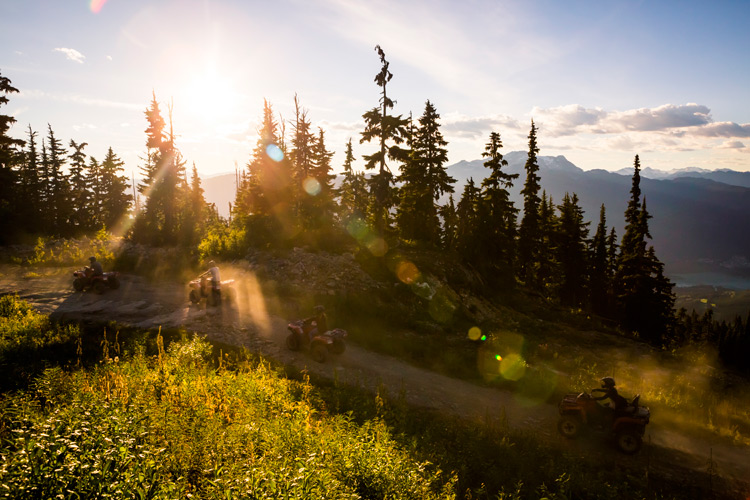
pixel 512 367
pixel 274 152
pixel 311 186
pixel 96 5
pixel 498 357
pixel 377 246
pixel 357 227
pixel 475 333
pixel 442 306
pixel 407 272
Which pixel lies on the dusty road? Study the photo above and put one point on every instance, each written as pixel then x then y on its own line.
pixel 140 303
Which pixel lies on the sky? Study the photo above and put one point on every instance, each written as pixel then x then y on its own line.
pixel 602 80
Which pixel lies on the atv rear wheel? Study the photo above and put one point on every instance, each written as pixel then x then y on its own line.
pixel 569 426
pixel 78 284
pixel 629 441
pixel 292 342
pixel 319 352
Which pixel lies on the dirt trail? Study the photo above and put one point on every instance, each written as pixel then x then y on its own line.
pixel 140 303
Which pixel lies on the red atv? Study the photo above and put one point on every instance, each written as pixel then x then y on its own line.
pixel 84 278
pixel 201 289
pixel 627 425
pixel 320 345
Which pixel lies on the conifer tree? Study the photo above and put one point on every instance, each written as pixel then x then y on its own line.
pixel 599 282
pixel 59 189
pixel 389 131
pixel 499 226
pixel 196 211
pixel 9 157
pixel 424 179
pixel 450 224
pixel 320 185
pixel 79 195
pixel 353 196
pixel 529 237
pixel 94 183
pixel 548 264
pixel 151 219
pixel 644 296
pixel 115 200
pixel 263 204
pixel 301 155
pixel 30 187
pixel 467 226
pixel 164 184
pixel 572 245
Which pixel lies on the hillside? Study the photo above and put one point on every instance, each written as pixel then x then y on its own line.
pixel 414 348
pixel 695 225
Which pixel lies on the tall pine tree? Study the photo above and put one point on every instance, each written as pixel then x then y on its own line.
pixel 643 294
pixel 498 246
pixel 424 179
pixel 389 131
pixel 529 237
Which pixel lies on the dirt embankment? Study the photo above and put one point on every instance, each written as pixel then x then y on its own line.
pixel 248 323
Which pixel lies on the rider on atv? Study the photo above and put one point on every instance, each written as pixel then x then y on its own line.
pixel 618 403
pixel 213 271
pixel 319 322
pixel 96 267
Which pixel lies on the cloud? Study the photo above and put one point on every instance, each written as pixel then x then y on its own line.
pixel 88 101
pixel 662 118
pixel 568 120
pixel 71 54
pixel 733 145
pixel 724 129
pixel 677 122
pixel 477 127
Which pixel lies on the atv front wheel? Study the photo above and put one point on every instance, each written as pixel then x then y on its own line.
pixel 629 442
pixel 78 284
pixel 319 352
pixel 292 342
pixel 569 426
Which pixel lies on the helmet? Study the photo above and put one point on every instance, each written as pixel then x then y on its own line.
pixel 320 309
pixel 211 263
pixel 608 382
pixel 92 259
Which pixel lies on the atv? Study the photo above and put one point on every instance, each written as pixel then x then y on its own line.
pixel 84 278
pixel 320 345
pixel 627 426
pixel 201 289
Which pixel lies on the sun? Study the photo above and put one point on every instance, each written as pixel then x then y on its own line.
pixel 210 96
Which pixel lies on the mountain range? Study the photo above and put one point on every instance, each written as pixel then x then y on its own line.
pixel 700 217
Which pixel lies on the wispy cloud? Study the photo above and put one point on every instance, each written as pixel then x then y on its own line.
pixel 71 54
pixel 477 127
pixel 79 99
